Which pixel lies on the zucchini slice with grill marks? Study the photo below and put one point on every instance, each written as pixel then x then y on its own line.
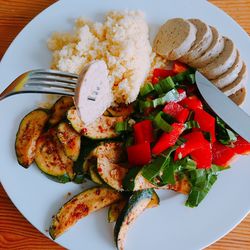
pixel 136 204
pixel 59 109
pixel 116 208
pixel 70 139
pixel 80 206
pixel 102 128
pixel 28 133
pixel 51 160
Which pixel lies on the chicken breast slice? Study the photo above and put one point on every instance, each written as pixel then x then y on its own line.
pixel 221 63
pixel 174 38
pixel 229 76
pixel 203 40
pixel 213 51
pixel 239 97
pixel 93 94
pixel 238 84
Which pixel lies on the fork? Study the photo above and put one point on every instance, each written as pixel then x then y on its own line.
pixel 42 81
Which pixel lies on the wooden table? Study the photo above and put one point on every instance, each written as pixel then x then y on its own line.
pixel 15 231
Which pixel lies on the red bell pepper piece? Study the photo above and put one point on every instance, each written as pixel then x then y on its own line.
pixel 222 155
pixel 182 115
pixel 177 111
pixel 143 132
pixel 241 146
pixel 194 141
pixel 163 73
pixel 179 67
pixel 168 139
pixel 139 154
pixel 191 88
pixel 206 122
pixel 155 80
pixel 172 108
pixel 203 156
pixel 182 94
pixel 192 102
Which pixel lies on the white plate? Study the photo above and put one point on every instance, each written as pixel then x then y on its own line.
pixel 171 225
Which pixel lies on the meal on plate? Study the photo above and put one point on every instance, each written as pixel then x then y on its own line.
pixel 147 127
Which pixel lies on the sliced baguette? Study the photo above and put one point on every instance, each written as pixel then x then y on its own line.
pixel 229 76
pixel 212 52
pixel 175 38
pixel 238 84
pixel 203 40
pixel 239 96
pixel 221 63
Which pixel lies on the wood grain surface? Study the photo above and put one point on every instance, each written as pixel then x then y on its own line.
pixel 15 231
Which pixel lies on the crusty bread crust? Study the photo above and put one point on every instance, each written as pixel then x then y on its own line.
pixel 212 52
pixel 239 97
pixel 238 84
pixel 175 38
pixel 221 63
pixel 231 75
pixel 203 41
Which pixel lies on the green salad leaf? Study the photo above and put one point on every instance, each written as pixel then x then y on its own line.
pixel 223 134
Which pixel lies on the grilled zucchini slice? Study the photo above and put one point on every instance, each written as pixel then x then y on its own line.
pixel 51 160
pixel 80 206
pixel 109 157
pixel 111 173
pixel 59 109
pixel 102 128
pixel 136 204
pixel 134 181
pixel 70 139
pixel 122 110
pixel 28 133
pixel 116 208
pixel 94 176
pixel 87 146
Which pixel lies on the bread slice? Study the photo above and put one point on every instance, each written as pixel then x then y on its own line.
pixel 238 84
pixel 221 63
pixel 175 38
pixel 203 40
pixel 239 97
pixel 229 76
pixel 212 52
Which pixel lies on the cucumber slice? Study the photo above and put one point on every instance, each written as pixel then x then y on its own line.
pixel 136 204
pixel 70 139
pixel 51 160
pixel 80 206
pixel 59 109
pixel 28 133
pixel 102 128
